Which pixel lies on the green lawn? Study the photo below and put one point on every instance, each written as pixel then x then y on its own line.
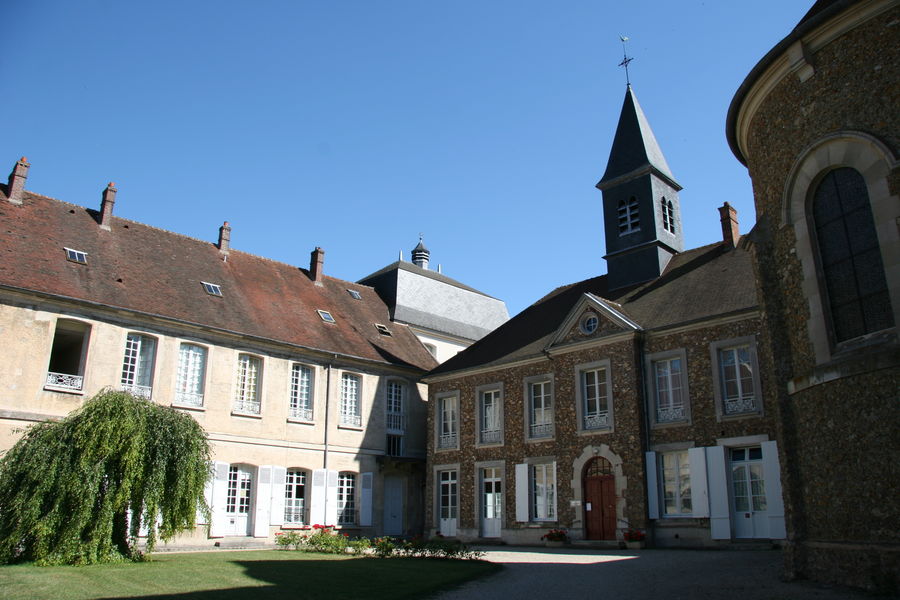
pixel 262 575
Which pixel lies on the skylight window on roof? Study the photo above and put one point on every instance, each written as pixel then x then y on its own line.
pixel 76 256
pixel 326 316
pixel 382 329
pixel 212 289
pixel 354 294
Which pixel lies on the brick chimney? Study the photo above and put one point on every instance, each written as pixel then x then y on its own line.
pixel 106 205
pixel 316 261
pixel 16 190
pixel 731 233
pixel 224 238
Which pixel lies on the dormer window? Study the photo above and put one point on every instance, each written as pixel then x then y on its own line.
pixel 326 316
pixel 76 256
pixel 354 294
pixel 212 289
pixel 382 329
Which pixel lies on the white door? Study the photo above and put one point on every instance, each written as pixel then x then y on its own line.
pixel 393 505
pixel 748 488
pixel 491 502
pixel 449 503
pixel 237 504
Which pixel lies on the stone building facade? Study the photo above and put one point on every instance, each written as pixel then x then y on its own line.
pixel 641 399
pixel 309 393
pixel 816 123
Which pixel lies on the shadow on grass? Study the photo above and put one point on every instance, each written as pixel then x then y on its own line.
pixel 367 578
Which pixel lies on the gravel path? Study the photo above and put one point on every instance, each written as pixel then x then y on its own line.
pixel 643 575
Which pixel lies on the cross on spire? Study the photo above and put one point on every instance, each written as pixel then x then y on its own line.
pixel 625 58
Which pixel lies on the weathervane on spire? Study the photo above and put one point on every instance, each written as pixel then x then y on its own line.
pixel 625 58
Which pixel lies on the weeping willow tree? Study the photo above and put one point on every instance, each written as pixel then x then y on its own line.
pixel 80 491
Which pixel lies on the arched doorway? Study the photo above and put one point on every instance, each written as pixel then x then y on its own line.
pixel 599 487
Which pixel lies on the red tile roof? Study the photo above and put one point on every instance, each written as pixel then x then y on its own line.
pixel 141 268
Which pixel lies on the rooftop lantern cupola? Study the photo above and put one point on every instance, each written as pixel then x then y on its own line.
pixel 420 255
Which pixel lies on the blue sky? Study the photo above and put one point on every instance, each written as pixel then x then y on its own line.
pixel 356 125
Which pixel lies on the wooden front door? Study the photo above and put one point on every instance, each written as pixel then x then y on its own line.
pixel 599 487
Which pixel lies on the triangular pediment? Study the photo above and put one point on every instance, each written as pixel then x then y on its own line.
pixel 592 317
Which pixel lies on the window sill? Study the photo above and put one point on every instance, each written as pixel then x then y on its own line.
pixel 62 390
pixel 296 527
pixel 738 416
pixel 492 445
pixel 297 421
pixel 350 427
pixel 188 407
pixel 540 440
pixel 595 431
pixel 454 449
pixel 670 424
pixel 246 415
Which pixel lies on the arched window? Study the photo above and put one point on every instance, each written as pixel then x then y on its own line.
pixel 668 214
pixel 850 260
pixel 629 220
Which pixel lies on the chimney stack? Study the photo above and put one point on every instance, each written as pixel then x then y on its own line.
pixel 316 261
pixel 106 205
pixel 224 238
pixel 731 233
pixel 16 190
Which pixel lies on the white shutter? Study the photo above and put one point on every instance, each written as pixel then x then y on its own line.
pixel 317 498
pixel 774 501
pixel 522 493
pixel 699 490
pixel 365 500
pixel 331 512
pixel 219 499
pixel 279 474
pixel 652 486
pixel 719 509
pixel 263 502
pixel 555 492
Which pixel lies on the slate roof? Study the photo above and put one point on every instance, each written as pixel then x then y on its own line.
pixel 433 301
pixel 634 146
pixel 140 268
pixel 699 284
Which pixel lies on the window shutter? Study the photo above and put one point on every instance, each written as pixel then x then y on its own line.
pixel 207 495
pixel 652 486
pixel 774 501
pixel 699 491
pixel 263 501
pixel 555 492
pixel 719 509
pixel 279 474
pixel 219 499
pixel 522 493
pixel 365 500
pixel 331 507
pixel 317 498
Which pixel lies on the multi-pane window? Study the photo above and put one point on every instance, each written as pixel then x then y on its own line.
pixel 736 380
pixel 448 424
pixel 394 445
pixel 346 499
pixel 449 500
pixel 629 220
pixel 350 408
pixel 137 367
pixel 300 406
pixel 748 483
pixel 489 413
pixel 191 375
pixel 543 492
pixel 675 475
pixel 295 497
pixel 540 417
pixel 238 497
pixel 395 417
pixel 668 215
pixel 850 256
pixel 668 378
pixel 595 399
pixel 249 372
pixel 67 356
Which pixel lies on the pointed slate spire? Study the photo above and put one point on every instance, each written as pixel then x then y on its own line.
pixel 635 149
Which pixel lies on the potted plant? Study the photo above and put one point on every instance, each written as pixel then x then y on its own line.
pixel 634 538
pixel 555 538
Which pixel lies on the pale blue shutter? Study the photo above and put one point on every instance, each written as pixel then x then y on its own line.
pixel 263 501
pixel 219 499
pixel 279 475
pixel 699 490
pixel 652 486
pixel 365 500
pixel 719 508
pixel 522 493
pixel 774 500
pixel 317 497
pixel 331 507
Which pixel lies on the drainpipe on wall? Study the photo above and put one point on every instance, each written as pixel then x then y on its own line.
pixel 645 422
